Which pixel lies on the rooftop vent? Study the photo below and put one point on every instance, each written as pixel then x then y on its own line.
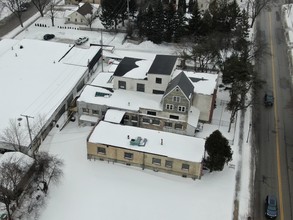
pixel 139 141
pixel 102 94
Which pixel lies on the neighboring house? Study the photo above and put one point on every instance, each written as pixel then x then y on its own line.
pixel 178 99
pixel 146 148
pixel 18 182
pixel 84 15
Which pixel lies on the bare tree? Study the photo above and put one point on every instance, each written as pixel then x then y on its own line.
pixel 12 172
pixel 48 169
pixel 52 11
pixel 90 19
pixel 15 6
pixel 41 5
pixel 256 6
pixel 13 136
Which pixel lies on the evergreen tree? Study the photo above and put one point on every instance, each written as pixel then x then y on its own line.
pixel 240 33
pixel 218 150
pixel 190 6
pixel 182 6
pixel 140 22
pixel 179 25
pixel 149 24
pixel 157 23
pixel 169 14
pixel 195 22
pixel 206 27
pixel 113 12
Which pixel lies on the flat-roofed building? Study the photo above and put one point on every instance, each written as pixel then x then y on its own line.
pixel 146 148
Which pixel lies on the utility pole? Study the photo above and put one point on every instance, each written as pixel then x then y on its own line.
pixel 128 10
pixel 28 126
pixel 102 49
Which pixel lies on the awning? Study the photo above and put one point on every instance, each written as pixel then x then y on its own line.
pixel 114 116
pixel 89 118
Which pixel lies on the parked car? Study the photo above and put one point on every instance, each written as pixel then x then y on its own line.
pixel 81 40
pixel 269 98
pixel 271 207
pixel 48 36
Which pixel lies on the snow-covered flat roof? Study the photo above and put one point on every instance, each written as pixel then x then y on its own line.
pixel 34 83
pixel 89 118
pixel 121 99
pixel 113 115
pixel 121 53
pixel 174 145
pixel 80 56
pixel 103 79
pixel 204 83
pixel 139 72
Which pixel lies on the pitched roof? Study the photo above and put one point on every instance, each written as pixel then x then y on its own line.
pixel 85 9
pixel 125 66
pixel 163 64
pixel 183 82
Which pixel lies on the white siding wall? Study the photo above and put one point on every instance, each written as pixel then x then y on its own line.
pixel 153 85
pixel 203 103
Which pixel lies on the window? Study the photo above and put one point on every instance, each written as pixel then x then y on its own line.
pixel 128 156
pixel 146 120
pixel 85 110
pixel 103 113
pixel 176 99
pixel 101 150
pixel 134 118
pixel 159 80
pixel 140 87
pixel 126 117
pixel 185 166
pixel 95 112
pixel 156 161
pixel 178 126
pixel 121 84
pixel 156 121
pixel 181 108
pixel 168 124
pixel 68 19
pixel 169 106
pixel 75 19
pixel 159 92
pixel 169 163
pixel 151 113
pixel 174 117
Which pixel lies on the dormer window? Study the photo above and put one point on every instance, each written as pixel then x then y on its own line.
pixel 176 98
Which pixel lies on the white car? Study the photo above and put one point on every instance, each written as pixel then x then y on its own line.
pixel 81 40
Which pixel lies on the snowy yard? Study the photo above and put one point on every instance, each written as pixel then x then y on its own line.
pixel 102 190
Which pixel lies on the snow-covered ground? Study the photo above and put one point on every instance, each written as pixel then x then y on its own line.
pixel 101 190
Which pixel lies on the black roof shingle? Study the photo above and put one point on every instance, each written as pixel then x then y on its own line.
pixel 183 82
pixel 163 64
pixel 126 64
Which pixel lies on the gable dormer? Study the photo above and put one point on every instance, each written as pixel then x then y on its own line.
pixel 178 95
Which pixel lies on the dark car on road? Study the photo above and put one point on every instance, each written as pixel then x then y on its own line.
pixel 48 36
pixel 271 207
pixel 269 98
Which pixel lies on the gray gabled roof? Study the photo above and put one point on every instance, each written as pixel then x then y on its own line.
pixel 85 9
pixel 126 64
pixel 183 82
pixel 163 64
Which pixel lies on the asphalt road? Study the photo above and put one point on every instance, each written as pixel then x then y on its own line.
pixel 12 21
pixel 273 126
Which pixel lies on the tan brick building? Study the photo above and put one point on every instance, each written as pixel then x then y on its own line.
pixel 149 149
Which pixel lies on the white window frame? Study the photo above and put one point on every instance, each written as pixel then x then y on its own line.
pixel 181 108
pixel 176 99
pixel 169 106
